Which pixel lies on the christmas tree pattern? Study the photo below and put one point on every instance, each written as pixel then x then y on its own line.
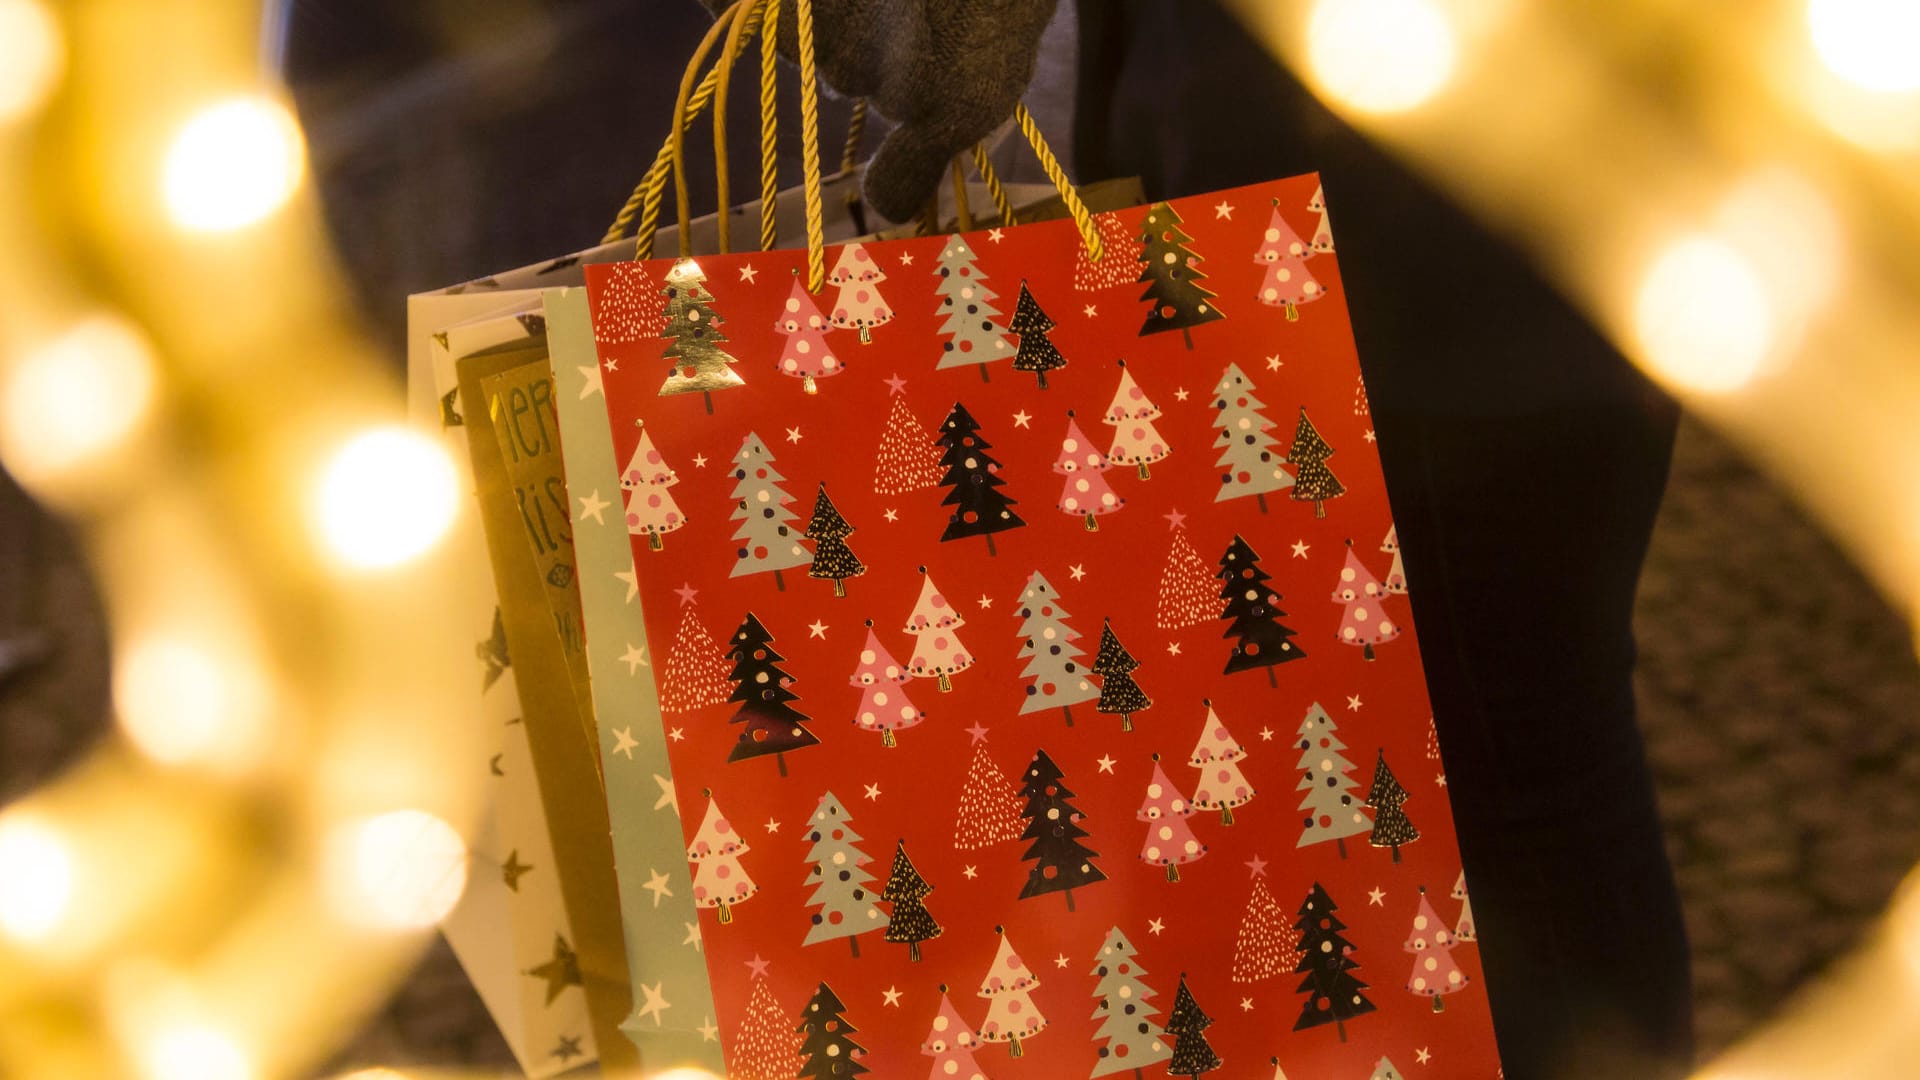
pixel 700 365
pixel 1192 1055
pixel 767 541
pixel 1396 575
pixel 1334 994
pixel 1312 482
pixel 696 672
pixel 1008 988
pixel 859 305
pixel 1266 945
pixel 1360 405
pixel 1170 841
pixel 1115 666
pixel 910 923
pixel 841 884
pixel 767 1047
pixel 807 356
pixel 1187 596
pixel 1434 972
pixel 974 332
pixel 980 507
pixel 1387 798
pixel 1332 811
pixel 937 651
pixel 1384 1070
pixel 1061 863
pixel 1253 614
pixel 883 698
pixel 1288 284
pixel 1248 465
pixel 651 511
pixel 1323 234
pixel 832 558
pixel 1172 280
pixel 989 806
pixel 827 1040
pixel 1136 441
pixel 1364 623
pixel 1463 927
pixel 1036 353
pixel 1132 1041
pixel 629 307
pixel 1086 492
pixel 719 881
pixel 771 725
pixel 1119 251
pixel 907 459
pixel 951 1044
pixel 1217 755
pixel 1053 660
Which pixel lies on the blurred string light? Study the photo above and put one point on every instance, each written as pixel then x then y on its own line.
pixel 37 887
pixel 75 399
pixel 386 496
pixel 186 701
pixel 1702 317
pixel 402 870
pixel 194 1052
pixel 1873 44
pixel 32 57
pixel 233 164
pixel 1380 56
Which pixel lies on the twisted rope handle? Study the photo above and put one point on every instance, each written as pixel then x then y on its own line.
pixel 1082 218
pixel 769 130
pixel 994 189
pixel 729 56
pixel 856 133
pixel 961 211
pixel 810 148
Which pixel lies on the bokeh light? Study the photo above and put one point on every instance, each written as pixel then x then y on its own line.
pixel 184 701
pixel 402 870
pixel 74 398
pixel 1702 318
pixel 385 497
pixel 32 57
pixel 233 164
pixel 1873 44
pixel 1380 56
pixel 38 883
pixel 194 1052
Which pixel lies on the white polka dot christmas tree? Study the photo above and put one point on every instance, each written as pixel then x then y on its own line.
pixel 938 652
pixel 1265 945
pixel 1008 987
pixel 651 511
pixel 695 674
pixel 1085 492
pixel 989 805
pixel 1365 622
pixel 1187 591
pixel 719 881
pixel 859 306
pixel 1287 283
pixel 883 697
pixel 908 459
pixel 767 1047
pixel 1170 842
pixel 951 1044
pixel 806 356
pixel 1136 441
pixel 1217 754
pixel 1435 974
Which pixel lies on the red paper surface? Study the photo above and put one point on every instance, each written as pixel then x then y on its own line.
pixel 765 974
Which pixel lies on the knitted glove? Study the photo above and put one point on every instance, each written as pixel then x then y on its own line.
pixel 948 72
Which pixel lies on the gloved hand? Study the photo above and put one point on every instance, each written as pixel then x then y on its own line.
pixel 948 72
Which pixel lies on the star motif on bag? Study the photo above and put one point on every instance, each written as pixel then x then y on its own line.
pixel 1179 393
pixel 1060 961
pixel 1092 312
pixel 1273 362
pixel 1173 648
pixel 747 272
pixel 592 505
pixel 1369 435
pixel 873 792
pixel 623 742
pixel 1023 419
pixel 632 580
pixel 1246 1004
pixel 657 885
pixel 693 935
pixel 677 734
pixel 1353 702
pixel 635 657
pixel 1223 210
pixel 512 870
pixel 568 1049
pixel 1377 898
pixel 1421 1055
pixel 891 514
pixel 590 381
pixel 699 461
pixel 610 364
pixel 890 996
pixel 708 1032
pixel 656 1002
pixel 817 629
pixel 1266 734
pixel 1105 762
pixel 1077 572
pixel 1154 926
pixel 793 435
pixel 686 593
pixel 993 235
pixel 969 873
pixel 1300 549
pixel 1440 779
pixel 772 826
pixel 666 798
pixel 906 258
pixel 985 601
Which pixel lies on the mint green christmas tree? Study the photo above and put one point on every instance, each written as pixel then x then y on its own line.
pixel 1132 1041
pixel 842 886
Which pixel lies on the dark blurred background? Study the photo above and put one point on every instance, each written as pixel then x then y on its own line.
pixel 1780 696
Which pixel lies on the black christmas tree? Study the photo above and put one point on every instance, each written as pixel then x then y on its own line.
pixel 772 726
pixel 828 1045
pixel 1253 614
pixel 1390 825
pixel 1173 285
pixel 910 922
pixel 1061 863
pixel 832 558
pixel 1186 1023
pixel 1326 959
pixel 1312 480
pixel 980 508
pixel 1118 692
pixel 1037 354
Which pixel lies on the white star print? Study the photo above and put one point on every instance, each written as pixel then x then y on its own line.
pixel 891 514
pixel 656 1001
pixel 699 461
pixel 906 259
pixel 1154 926
pixel 623 742
pixel 1421 1055
pixel 666 799
pixel 708 1032
pixel 969 873
pixel 1092 312
pixel 677 734
pixel 1173 648
pixel 891 997
pixel 817 629
pixel 592 505
pixel 1273 362
pixel 985 601
pixel 1076 572
pixel 746 274
pixel 793 435
pixel 1179 393
pixel 1440 779
pixel 1299 549
pixel 657 885
pixel 635 657
pixel 1105 763
pixel 1266 734
pixel 1377 898
pixel 1060 961
pixel 632 580
pixel 611 364
pixel 1353 702
pixel 873 791
pixel 772 826
pixel 693 935
pixel 993 235
pixel 1224 210
pixel 1246 1004
pixel 1369 435
pixel 1021 419
pixel 590 381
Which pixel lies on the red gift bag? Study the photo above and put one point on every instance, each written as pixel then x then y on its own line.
pixel 1040 689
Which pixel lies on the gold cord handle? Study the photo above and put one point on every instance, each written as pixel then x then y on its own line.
pixel 1082 218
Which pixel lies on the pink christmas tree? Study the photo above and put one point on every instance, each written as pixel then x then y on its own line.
pixel 651 511
pixel 696 671
pixel 1170 842
pixel 1131 415
pixel 908 458
pixel 1008 986
pixel 1396 574
pixel 1086 491
pixel 1364 623
pixel 1434 972
pixel 938 652
pixel 767 1047
pixel 718 879
pixel 883 700
pixel 1187 591
pixel 1288 284
pixel 807 355
pixel 950 1043
pixel 1463 927
pixel 1119 256
pixel 859 305
pixel 1217 755
pixel 989 806
pixel 630 308
pixel 1323 235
